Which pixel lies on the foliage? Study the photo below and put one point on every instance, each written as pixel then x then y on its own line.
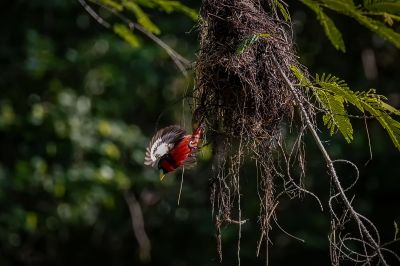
pixel 330 29
pixel 333 93
pixel 119 7
pixel 127 35
pixel 367 15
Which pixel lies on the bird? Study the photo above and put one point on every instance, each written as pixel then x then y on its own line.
pixel 171 148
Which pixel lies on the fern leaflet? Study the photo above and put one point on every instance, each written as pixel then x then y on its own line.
pixel 333 93
pixel 141 17
pixel 125 33
pixel 329 26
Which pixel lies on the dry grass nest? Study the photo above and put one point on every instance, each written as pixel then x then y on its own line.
pixel 244 97
pixel 243 93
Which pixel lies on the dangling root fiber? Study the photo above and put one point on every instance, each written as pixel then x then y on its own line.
pixel 245 99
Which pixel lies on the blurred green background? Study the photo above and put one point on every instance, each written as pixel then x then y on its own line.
pixel 78 106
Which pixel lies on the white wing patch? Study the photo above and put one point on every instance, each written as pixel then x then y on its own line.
pixel 162 143
pixel 159 149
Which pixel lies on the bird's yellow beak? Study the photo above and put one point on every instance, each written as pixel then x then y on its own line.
pixel 161 175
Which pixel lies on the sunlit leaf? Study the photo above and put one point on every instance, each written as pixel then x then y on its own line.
pixel 329 26
pixel 142 17
pixel 124 32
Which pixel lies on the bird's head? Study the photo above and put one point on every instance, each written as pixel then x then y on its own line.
pixel 162 173
pixel 164 167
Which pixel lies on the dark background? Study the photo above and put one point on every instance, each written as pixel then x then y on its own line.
pixel 78 106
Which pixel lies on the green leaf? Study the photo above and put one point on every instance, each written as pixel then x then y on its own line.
pixel 374 104
pixel 339 87
pixel 332 93
pixel 339 5
pixel 332 32
pixel 110 3
pixel 304 81
pixel 392 126
pixel 386 6
pixel 336 117
pixel 125 33
pixel 330 28
pixel 344 7
pixel 282 9
pixel 174 6
pixel 331 86
pixel 389 108
pixel 381 29
pixel 249 41
pixel 142 18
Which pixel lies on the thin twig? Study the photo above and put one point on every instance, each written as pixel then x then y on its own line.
pixel 180 189
pixel 369 142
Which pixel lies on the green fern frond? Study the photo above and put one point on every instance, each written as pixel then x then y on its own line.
pixel 364 101
pixel 135 7
pixel 349 9
pixel 332 32
pixel 304 81
pixel 282 9
pixel 174 6
pixel 125 33
pixel 339 87
pixel 329 26
pixel 141 17
pixel 332 93
pixel 386 6
pixel 144 3
pixel 381 29
pixel 339 5
pixel 350 2
pixel 336 117
pixel 113 4
pixel 374 107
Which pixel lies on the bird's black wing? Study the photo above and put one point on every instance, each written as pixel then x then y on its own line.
pixel 162 142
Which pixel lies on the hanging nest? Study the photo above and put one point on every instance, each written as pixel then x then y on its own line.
pixel 238 82
pixel 244 97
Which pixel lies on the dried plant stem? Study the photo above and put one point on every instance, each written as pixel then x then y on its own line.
pixel 331 167
pixel 138 226
pixel 180 188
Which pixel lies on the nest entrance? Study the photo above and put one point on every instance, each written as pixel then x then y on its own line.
pixel 244 97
